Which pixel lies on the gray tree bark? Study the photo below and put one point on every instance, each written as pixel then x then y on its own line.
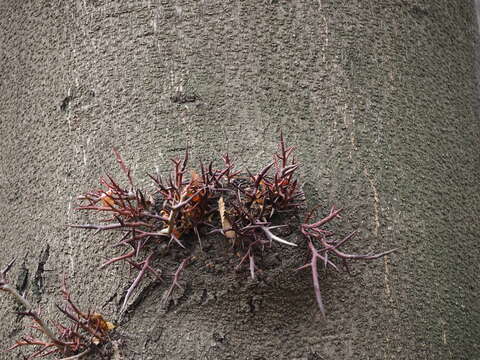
pixel 378 96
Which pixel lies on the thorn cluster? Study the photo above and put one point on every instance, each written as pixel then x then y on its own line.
pixel 83 335
pixel 327 248
pixel 182 208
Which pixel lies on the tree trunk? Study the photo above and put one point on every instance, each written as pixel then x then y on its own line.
pixel 379 97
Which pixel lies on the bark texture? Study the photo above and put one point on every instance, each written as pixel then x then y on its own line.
pixel 379 97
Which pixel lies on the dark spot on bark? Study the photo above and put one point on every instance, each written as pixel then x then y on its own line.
pixel 22 278
pixel 176 149
pixel 418 11
pixel 148 33
pixel 38 281
pixel 219 338
pixel 315 356
pixel 251 305
pixel 21 285
pixel 203 297
pixel 65 103
pixel 181 97
pixel 110 299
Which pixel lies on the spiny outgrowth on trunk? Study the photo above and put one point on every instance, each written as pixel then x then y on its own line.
pixel 327 248
pixel 86 331
pixel 244 207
